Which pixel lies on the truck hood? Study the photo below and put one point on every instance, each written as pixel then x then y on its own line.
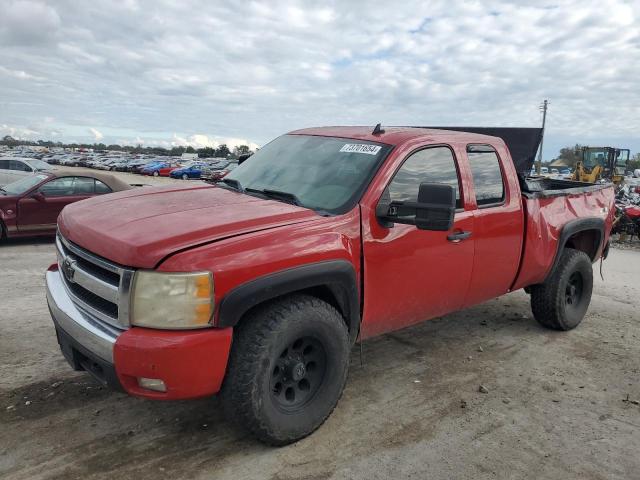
pixel 140 227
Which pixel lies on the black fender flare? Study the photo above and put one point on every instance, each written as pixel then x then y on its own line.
pixel 576 226
pixel 338 276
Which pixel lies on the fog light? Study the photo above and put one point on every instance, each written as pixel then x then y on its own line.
pixel 152 384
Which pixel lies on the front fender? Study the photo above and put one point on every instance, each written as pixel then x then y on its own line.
pixel 338 276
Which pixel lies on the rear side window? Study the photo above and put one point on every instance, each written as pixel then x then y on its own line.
pixel 101 187
pixel 19 166
pixel 487 175
pixel 4 164
pixel 432 165
pixel 83 186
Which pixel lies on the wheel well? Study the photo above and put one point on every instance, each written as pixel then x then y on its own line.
pixel 322 292
pixel 587 241
pixel 3 230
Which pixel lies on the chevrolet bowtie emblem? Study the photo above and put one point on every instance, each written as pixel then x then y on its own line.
pixel 68 269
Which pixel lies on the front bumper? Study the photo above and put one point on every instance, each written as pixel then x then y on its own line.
pixel 191 363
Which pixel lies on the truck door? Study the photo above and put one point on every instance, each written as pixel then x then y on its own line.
pixel 412 275
pixel 498 224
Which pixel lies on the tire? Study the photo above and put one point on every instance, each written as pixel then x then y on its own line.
pixel 287 368
pixel 185 176
pixel 156 173
pixel 562 300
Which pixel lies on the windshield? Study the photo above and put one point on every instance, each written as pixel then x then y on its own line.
pixel 595 156
pixel 24 184
pixel 39 164
pixel 324 173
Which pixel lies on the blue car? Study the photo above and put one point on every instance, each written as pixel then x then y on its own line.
pixel 185 173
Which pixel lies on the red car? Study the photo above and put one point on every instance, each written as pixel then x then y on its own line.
pixel 31 205
pixel 258 287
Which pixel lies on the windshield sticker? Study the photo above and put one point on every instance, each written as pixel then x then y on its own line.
pixel 361 148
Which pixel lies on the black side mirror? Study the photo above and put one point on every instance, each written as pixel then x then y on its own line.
pixel 434 210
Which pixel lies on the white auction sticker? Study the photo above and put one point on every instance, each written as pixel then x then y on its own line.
pixel 361 148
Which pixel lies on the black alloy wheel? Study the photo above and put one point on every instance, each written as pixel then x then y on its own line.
pixel 298 374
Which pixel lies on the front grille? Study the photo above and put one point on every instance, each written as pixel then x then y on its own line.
pixel 98 287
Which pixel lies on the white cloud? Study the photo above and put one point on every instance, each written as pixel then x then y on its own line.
pixel 97 135
pixel 253 70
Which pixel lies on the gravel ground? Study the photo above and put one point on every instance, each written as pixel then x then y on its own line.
pixel 558 405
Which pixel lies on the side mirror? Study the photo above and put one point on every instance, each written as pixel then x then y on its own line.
pixel 39 196
pixel 434 210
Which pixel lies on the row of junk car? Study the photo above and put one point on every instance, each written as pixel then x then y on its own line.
pixel 210 169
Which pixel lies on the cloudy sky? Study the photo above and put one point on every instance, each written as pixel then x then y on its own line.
pixel 203 72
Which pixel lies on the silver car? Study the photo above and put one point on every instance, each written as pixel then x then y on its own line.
pixel 15 168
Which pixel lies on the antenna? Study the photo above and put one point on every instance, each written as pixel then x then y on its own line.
pixel 377 130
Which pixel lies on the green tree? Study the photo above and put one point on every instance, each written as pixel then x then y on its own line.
pixel 241 150
pixel 571 155
pixel 222 150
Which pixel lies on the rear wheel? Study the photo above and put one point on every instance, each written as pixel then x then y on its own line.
pixel 562 301
pixel 287 369
pixel 156 173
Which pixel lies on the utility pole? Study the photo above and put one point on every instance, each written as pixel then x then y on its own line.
pixel 543 108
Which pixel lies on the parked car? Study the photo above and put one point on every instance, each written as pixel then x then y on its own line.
pixel 210 171
pixel 185 173
pixel 31 205
pixel 15 168
pixel 161 169
pixel 139 165
pixel 215 175
pixel 106 164
pixel 322 237
pixel 121 165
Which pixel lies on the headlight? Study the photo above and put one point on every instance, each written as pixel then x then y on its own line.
pixel 172 300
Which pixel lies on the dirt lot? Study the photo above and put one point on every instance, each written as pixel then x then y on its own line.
pixel 555 408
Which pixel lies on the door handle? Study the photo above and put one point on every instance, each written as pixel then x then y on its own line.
pixel 458 236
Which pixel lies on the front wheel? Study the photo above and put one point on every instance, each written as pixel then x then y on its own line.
pixel 563 299
pixel 156 173
pixel 287 368
pixel 185 176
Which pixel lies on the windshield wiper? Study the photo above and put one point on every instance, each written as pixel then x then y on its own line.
pixel 276 195
pixel 235 184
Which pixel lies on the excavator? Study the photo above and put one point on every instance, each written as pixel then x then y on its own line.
pixel 597 163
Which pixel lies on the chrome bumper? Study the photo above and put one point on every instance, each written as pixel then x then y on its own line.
pixel 92 334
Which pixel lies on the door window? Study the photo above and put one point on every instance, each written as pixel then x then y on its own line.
pixel 487 175
pixel 59 187
pixel 4 164
pixel 433 165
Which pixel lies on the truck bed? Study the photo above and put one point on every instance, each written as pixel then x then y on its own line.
pixel 544 187
pixel 551 205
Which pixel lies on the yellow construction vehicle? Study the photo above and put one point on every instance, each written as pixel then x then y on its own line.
pixel 601 162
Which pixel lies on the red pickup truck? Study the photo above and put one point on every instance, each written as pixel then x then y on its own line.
pixel 257 287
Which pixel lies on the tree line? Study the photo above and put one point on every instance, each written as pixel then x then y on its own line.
pixel 206 152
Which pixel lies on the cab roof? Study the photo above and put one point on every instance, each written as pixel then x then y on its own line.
pixel 522 143
pixel 394 135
